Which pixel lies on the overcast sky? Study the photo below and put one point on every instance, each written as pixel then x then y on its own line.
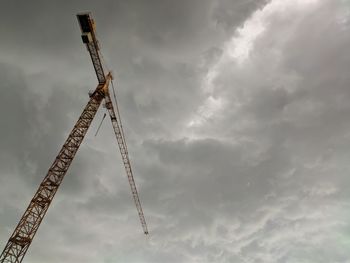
pixel 236 115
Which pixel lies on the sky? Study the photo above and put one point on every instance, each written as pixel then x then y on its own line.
pixel 237 118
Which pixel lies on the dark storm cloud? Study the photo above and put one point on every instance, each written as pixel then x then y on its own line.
pixel 236 121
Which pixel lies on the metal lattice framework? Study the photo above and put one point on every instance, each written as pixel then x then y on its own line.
pixel 116 123
pixel 96 61
pixel 27 227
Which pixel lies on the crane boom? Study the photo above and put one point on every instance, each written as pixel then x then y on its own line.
pixel 119 134
pixel 27 227
pixel 87 26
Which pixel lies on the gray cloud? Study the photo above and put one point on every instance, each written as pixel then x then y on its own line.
pixel 236 119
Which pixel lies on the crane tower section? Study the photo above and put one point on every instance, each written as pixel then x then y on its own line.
pixel 27 227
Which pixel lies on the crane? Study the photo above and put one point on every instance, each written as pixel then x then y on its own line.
pixel 22 236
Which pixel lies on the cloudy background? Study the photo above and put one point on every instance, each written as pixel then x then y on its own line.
pixel 237 118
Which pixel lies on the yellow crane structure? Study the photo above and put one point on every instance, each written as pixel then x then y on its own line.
pixel 27 227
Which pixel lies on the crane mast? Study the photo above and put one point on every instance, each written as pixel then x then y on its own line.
pixel 27 227
pixel 22 236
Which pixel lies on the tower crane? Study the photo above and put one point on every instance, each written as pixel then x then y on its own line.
pixel 22 236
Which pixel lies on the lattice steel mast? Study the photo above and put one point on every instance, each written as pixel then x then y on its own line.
pixel 27 227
